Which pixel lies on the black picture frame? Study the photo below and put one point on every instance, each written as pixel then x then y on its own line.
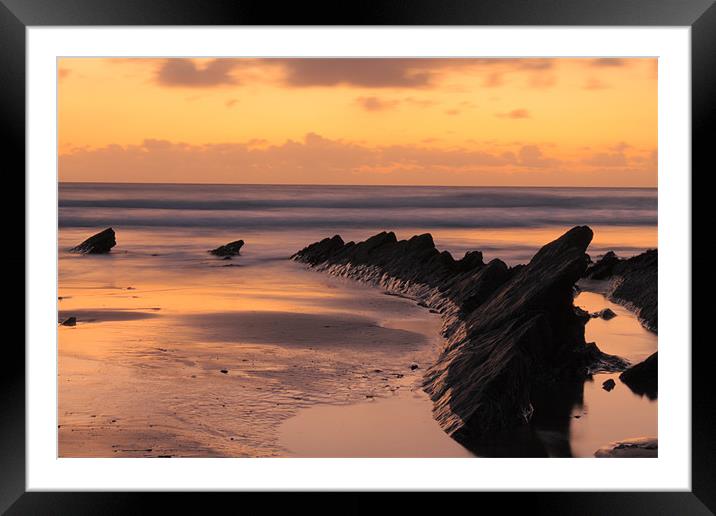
pixel 700 15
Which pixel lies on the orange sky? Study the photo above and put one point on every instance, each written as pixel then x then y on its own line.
pixel 546 122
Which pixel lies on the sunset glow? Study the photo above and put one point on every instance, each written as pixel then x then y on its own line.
pixel 542 122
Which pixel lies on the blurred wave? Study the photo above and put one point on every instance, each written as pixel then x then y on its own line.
pixel 273 206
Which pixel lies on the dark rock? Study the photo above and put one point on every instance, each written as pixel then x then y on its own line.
pixel 605 314
pixel 642 378
pixel 70 321
pixel 582 313
pixel 507 329
pixel 603 268
pixel 101 243
pixel 641 447
pixel 608 385
pixel 634 283
pixel 225 371
pixel 228 250
pixel 413 367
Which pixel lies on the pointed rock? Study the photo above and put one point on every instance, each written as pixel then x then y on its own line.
pixel 101 243
pixel 228 250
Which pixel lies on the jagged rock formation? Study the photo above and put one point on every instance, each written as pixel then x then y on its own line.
pixel 507 330
pixel 634 283
pixel 230 249
pixel 602 269
pixel 101 243
pixel 642 378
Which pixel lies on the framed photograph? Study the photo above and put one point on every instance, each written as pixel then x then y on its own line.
pixel 425 249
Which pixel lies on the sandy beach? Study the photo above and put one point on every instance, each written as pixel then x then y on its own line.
pixel 301 340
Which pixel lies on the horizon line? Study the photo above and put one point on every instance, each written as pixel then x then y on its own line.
pixel 350 185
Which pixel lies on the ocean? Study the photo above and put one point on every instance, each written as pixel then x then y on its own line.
pixel 509 223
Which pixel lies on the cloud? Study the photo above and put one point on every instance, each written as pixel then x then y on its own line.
pixel 531 156
pixel 317 159
pixel 401 72
pixel 231 102
pixel 313 157
pixel 370 73
pixel 614 158
pixel 607 62
pixel 180 72
pixel 515 114
pixel 605 159
pixel 415 73
pixel 376 104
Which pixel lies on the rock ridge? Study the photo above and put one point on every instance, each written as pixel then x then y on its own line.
pixel 506 329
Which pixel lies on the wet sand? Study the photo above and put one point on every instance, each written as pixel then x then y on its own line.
pixel 141 373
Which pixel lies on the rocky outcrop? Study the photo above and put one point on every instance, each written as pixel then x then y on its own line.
pixel 642 378
pixel 101 243
pixel 507 329
pixel 640 447
pixel 633 283
pixel 230 249
pixel 603 268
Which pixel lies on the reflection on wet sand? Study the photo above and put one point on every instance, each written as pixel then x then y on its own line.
pixel 571 418
pixel 576 418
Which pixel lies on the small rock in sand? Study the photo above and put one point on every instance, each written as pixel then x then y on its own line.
pixel 70 321
pixel 413 367
pixel 606 314
pixel 225 371
pixel 608 385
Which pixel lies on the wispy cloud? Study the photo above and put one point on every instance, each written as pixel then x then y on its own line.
pixel 608 62
pixel 376 103
pixel 516 114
